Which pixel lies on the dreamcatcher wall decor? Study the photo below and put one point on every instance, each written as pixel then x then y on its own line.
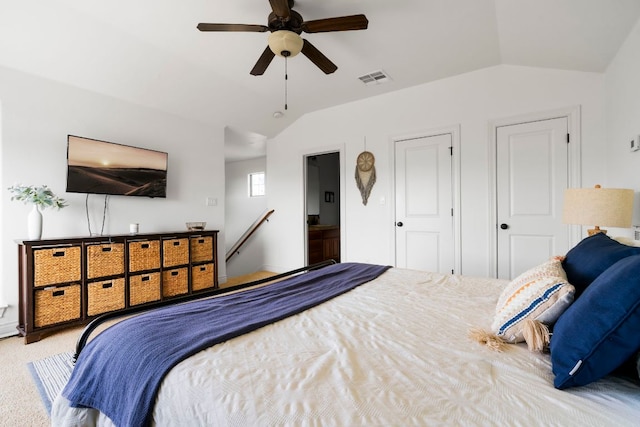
pixel 365 174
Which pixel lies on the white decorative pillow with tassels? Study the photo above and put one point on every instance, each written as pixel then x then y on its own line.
pixel 540 294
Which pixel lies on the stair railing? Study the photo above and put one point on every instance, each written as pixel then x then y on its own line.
pixel 235 249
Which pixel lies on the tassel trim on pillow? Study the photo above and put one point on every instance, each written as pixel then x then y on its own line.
pixel 536 334
pixel 488 339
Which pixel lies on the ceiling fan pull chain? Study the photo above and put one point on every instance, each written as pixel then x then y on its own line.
pixel 286 77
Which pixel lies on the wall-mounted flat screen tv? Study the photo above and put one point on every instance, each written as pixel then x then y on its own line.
pixel 100 167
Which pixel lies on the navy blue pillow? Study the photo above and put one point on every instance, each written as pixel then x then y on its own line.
pixel 601 330
pixel 591 257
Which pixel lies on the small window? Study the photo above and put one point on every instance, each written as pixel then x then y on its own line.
pixel 256 184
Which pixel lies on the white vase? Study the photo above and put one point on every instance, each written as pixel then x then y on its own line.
pixel 34 224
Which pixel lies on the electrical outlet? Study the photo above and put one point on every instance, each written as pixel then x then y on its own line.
pixel 634 145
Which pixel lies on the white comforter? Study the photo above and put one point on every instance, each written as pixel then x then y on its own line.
pixel 393 352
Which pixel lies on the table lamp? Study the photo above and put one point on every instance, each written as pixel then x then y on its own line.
pixel 610 207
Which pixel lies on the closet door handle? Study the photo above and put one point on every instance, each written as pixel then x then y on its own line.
pixel 504 226
pixel 399 224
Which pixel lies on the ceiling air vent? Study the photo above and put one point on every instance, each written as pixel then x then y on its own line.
pixel 375 78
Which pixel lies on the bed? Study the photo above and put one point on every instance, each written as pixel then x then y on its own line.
pixel 395 350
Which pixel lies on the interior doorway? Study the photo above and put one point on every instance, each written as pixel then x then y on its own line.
pixel 532 163
pixel 536 157
pixel 424 210
pixel 322 199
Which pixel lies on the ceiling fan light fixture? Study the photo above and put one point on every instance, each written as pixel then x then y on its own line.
pixel 285 43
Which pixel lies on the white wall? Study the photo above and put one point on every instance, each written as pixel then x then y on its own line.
pixel 623 119
pixel 471 100
pixel 36 116
pixel 241 213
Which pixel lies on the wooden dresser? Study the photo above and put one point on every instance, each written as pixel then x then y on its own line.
pixel 67 282
pixel 323 243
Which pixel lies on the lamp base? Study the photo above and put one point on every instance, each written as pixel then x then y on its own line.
pixel 596 230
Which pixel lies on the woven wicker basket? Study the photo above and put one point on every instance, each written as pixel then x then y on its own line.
pixel 56 305
pixel 56 265
pixel 105 260
pixel 175 282
pixel 103 296
pixel 201 249
pixel 175 252
pixel 144 255
pixel 202 276
pixel 144 288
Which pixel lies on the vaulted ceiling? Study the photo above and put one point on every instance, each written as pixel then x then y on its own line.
pixel 150 53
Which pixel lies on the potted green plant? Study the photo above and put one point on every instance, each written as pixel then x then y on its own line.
pixel 41 197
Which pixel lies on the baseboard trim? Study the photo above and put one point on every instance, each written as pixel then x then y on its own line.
pixel 275 268
pixel 8 329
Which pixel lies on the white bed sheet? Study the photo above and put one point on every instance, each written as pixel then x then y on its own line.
pixel 393 352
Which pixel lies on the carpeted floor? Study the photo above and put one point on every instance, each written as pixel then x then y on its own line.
pixel 20 401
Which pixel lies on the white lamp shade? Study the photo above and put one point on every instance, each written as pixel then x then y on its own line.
pixel 285 41
pixel 611 207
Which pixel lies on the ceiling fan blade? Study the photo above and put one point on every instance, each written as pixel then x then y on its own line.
pixel 233 27
pixel 263 62
pixel 342 23
pixel 311 52
pixel 281 8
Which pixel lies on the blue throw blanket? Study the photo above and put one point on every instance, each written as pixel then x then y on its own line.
pixel 119 372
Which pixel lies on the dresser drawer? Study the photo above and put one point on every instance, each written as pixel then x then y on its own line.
pixel 175 282
pixel 202 276
pixel 175 252
pixel 144 288
pixel 56 265
pixel 201 249
pixel 104 296
pixel 56 304
pixel 105 260
pixel 144 255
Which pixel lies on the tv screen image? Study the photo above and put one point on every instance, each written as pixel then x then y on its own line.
pixel 100 167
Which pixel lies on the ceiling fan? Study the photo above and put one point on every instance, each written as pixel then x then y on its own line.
pixel 286 25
